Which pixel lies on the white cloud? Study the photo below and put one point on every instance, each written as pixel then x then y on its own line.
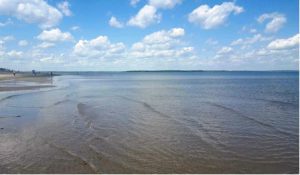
pixel 252 30
pixel 276 22
pixel 163 36
pixel 224 50
pixel 278 54
pixel 146 16
pixel 249 30
pixel 55 35
pixel 134 2
pixel 64 7
pixel 45 45
pixel 31 11
pixel 209 18
pixel 250 40
pixel 161 44
pixel 99 47
pixel 75 28
pixel 53 59
pixel 14 54
pixel 115 23
pixel 211 41
pixel 164 4
pixel 2 48
pixel 176 32
pixel 23 43
pixel 5 23
pixel 281 44
pixel 165 44
pixel 7 38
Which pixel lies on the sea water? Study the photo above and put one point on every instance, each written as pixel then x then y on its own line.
pixel 154 122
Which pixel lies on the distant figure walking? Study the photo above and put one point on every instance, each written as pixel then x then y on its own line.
pixel 33 72
pixel 51 74
pixel 14 73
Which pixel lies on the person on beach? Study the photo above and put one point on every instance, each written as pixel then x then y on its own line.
pixel 33 72
pixel 14 73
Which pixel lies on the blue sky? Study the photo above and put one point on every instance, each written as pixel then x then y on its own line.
pixel 108 35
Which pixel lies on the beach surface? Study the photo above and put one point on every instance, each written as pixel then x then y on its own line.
pixel 24 81
pixel 145 122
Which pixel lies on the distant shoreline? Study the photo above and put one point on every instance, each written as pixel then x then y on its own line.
pixel 58 73
pixel 212 71
pixel 41 80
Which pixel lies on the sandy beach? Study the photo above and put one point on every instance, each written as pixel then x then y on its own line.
pixel 8 81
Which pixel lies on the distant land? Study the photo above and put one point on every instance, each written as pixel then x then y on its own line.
pixel 82 71
pixel 211 71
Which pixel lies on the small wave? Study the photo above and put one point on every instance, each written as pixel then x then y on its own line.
pixel 60 102
pixel 13 116
pixel 206 131
pixel 82 110
pixel 33 107
pixel 107 159
pixel 10 96
pixel 31 92
pixel 197 133
pixel 83 160
pixel 276 102
pixel 39 107
pixel 251 119
pixel 148 106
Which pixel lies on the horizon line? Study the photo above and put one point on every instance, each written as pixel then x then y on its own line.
pixel 160 70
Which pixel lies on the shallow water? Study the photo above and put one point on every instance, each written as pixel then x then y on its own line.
pixel 163 122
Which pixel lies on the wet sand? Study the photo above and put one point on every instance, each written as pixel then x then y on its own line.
pixel 40 81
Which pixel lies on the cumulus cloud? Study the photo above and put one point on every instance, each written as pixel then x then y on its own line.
pixel 209 18
pixel 115 23
pixel 211 41
pixel 146 16
pixel 14 54
pixel 45 45
pixel 165 4
pixel 52 59
pixel 278 53
pixel 7 38
pixel 276 22
pixel 5 23
pixel 55 35
pixel 23 43
pixel 282 44
pixel 225 50
pixel 75 28
pixel 161 44
pixel 64 7
pixel 31 11
pixel 252 30
pixel 99 47
pixel 249 40
pixel 249 30
pixel 164 36
pixel 134 2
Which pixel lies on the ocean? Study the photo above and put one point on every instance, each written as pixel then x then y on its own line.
pixel 154 122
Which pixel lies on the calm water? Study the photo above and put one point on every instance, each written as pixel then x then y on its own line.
pixel 176 122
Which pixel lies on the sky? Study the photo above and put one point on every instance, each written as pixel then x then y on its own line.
pixel 117 35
